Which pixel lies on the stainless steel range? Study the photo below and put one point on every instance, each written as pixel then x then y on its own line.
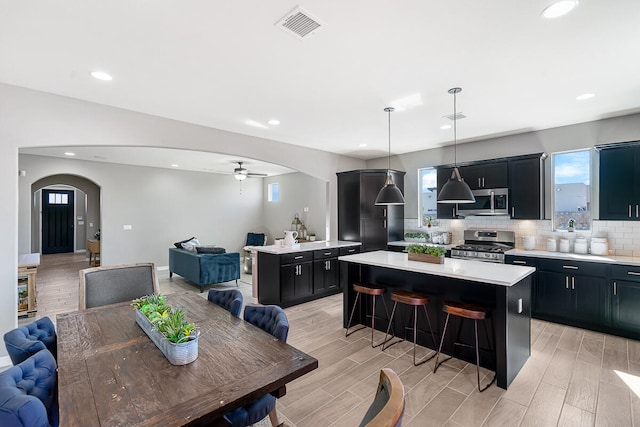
pixel 484 245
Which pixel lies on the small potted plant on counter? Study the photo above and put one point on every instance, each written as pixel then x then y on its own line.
pixel 416 237
pixel 312 237
pixel 572 223
pixel 424 253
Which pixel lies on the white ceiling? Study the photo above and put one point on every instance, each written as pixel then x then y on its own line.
pixel 219 63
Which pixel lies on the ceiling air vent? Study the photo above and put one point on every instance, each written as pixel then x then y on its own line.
pixel 299 23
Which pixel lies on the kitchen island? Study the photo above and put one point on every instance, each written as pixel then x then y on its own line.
pixel 505 289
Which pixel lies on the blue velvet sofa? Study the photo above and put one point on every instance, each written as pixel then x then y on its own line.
pixel 204 269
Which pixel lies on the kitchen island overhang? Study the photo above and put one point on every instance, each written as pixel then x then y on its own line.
pixel 505 289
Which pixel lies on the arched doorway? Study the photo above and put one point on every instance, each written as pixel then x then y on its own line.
pixel 65 213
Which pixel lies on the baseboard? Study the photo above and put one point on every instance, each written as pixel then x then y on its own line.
pixel 162 268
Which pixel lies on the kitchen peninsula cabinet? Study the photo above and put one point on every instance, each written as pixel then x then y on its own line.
pixel 359 218
pixel 287 276
pixel 620 183
pixel 625 292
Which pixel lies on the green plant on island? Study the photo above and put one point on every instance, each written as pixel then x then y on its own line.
pixel 436 251
pixel 168 321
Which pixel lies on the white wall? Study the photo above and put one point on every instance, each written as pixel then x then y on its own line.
pixel 297 191
pixel 35 119
pixel 162 206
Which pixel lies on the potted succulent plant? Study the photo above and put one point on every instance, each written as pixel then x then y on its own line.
pixel 312 236
pixel 425 253
pixel 572 223
pixel 167 328
pixel 416 237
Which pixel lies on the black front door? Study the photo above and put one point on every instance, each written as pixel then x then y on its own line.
pixel 57 221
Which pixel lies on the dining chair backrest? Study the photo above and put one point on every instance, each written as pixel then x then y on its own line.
pixel 109 285
pixel 387 408
pixel 270 318
pixel 230 300
pixel 27 340
pixel 28 392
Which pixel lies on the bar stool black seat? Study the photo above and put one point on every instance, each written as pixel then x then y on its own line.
pixel 416 300
pixel 475 313
pixel 373 291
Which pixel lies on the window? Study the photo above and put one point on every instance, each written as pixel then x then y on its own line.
pixel 274 192
pixel 572 189
pixel 58 199
pixel 427 196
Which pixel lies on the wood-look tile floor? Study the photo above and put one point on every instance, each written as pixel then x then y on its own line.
pixel 574 377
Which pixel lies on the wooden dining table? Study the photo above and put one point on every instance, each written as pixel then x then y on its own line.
pixel 111 374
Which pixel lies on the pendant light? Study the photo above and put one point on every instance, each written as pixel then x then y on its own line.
pixel 455 190
pixel 390 194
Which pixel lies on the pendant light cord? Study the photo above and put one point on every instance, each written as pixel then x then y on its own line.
pixel 389 157
pixel 455 131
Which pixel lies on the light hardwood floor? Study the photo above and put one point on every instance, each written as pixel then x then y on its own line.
pixel 573 377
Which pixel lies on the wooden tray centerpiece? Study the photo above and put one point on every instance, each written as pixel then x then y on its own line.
pixel 425 253
pixel 176 338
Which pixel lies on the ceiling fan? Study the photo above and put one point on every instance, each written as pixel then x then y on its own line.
pixel 241 173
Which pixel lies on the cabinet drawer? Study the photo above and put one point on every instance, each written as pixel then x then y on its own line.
pixel 573 267
pixel 296 257
pixel 626 272
pixel 325 253
pixel 350 250
pixel 521 260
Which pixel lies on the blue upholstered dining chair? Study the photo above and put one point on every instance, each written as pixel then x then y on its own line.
pixel 387 408
pixel 230 300
pixel 28 392
pixel 273 320
pixel 27 340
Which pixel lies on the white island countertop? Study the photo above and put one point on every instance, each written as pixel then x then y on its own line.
pixel 476 271
pixel 303 247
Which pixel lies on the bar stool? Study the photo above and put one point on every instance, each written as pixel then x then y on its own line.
pixel 413 299
pixel 373 291
pixel 466 311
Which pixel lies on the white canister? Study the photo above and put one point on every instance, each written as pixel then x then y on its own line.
pixel 580 245
pixel 529 243
pixel 552 245
pixel 564 245
pixel 599 246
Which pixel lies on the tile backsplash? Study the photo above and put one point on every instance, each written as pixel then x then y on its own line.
pixel 623 236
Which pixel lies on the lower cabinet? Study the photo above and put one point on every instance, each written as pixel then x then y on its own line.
pixel 625 297
pixel 295 281
pixel 325 270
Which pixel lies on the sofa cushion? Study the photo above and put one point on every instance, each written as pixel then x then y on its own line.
pixel 179 244
pixel 255 239
pixel 210 250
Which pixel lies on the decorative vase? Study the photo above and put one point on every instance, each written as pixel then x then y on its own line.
pixel 176 353
pixel 426 258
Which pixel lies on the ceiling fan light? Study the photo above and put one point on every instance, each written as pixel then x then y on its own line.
pixel 240 176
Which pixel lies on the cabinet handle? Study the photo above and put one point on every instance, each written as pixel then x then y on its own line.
pixel 615 288
pixel 384 212
pixel 566 282
pixel 513 211
pixel 479 184
pixel 299 257
pixel 633 273
pixel 453 212
pixel 327 253
pixel 351 250
pixel 483 182
pixel 520 262
pixel 629 211
pixel 573 282
pixel 636 211
pixel 570 267
pixel 385 223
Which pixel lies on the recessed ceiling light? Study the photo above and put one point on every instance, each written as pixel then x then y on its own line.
pixel 255 124
pixel 173 165
pixel 101 75
pixel 585 96
pixel 559 8
pixel 444 127
pixel 69 153
pixel 362 145
pixel 274 122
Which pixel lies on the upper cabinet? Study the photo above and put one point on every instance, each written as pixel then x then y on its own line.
pixel 620 183
pixel 526 187
pixel 359 219
pixel 488 175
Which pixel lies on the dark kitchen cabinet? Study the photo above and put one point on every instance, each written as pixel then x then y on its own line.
pixel 325 270
pixel 295 276
pixel 359 218
pixel 625 293
pixel 486 175
pixel 526 262
pixel 571 292
pixel 526 187
pixel 620 183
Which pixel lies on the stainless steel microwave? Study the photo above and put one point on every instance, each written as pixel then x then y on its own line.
pixel 494 201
